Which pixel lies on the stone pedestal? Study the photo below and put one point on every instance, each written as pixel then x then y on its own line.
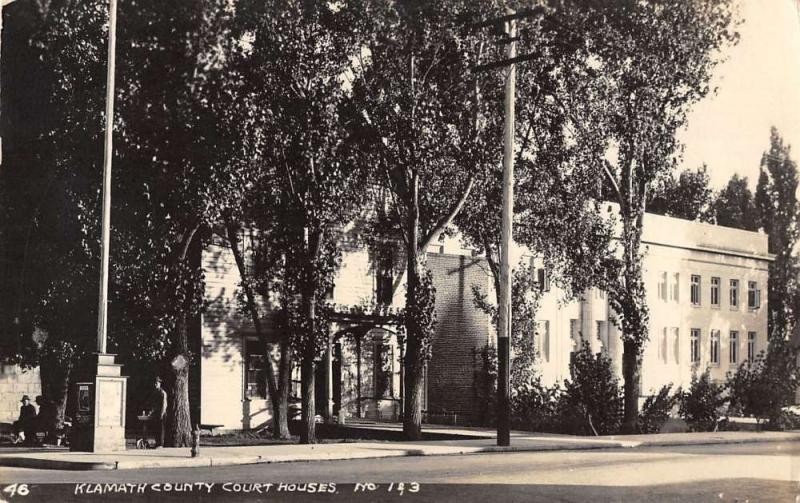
pixel 100 419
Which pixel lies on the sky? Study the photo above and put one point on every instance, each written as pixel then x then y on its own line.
pixel 758 86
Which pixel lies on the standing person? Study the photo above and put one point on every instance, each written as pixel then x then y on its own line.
pixel 27 421
pixel 47 418
pixel 159 411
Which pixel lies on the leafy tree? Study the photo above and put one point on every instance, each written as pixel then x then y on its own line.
pixel 422 112
pixel 653 77
pixel 305 50
pixel 556 174
pixel 163 193
pixel 778 210
pixel 734 205
pixel 688 197
pixel 701 405
pixel 48 289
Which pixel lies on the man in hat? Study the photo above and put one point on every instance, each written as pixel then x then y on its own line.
pixel 27 421
pixel 158 413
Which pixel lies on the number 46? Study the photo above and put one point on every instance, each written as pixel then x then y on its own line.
pixel 16 489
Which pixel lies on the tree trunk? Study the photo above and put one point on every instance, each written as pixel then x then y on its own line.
pixel 412 410
pixel 54 377
pixel 281 407
pixel 631 368
pixel 308 430
pixel 307 367
pixel 278 399
pixel 179 424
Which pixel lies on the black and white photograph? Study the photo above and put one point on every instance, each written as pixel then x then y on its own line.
pixel 400 250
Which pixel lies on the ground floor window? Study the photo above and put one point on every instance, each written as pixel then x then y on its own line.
pixel 542 340
pixel 694 345
pixel 714 349
pixel 751 346
pixel 734 347
pixel 255 369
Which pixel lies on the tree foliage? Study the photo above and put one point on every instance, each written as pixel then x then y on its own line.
pixel 425 119
pixel 688 197
pixel 761 388
pixel 701 406
pixel 592 398
pixel 734 205
pixel 778 210
pixel 305 50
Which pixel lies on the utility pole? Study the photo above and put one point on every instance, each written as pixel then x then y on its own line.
pixel 509 30
pixel 507 235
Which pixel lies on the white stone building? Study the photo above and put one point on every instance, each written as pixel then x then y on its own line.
pixel 706 290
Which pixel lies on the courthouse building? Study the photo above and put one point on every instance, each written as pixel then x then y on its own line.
pixel 704 289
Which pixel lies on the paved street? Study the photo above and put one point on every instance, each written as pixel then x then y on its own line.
pixel 742 472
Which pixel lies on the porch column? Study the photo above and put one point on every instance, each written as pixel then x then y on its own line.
pixel 329 382
pixel 358 375
pixel 402 343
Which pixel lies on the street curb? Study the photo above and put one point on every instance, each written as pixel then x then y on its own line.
pixel 55 464
pixel 51 464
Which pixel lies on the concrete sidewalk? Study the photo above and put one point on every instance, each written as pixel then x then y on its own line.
pixel 222 456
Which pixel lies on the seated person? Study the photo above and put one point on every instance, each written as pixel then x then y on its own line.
pixel 26 422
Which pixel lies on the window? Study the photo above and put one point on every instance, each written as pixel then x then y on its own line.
pixel 384 277
pixel 543 280
pixel 695 290
pixel 543 339
pixel 714 292
pixel 575 336
pixel 662 286
pixel 602 335
pixel 733 354
pixel 662 346
pixel 753 295
pixel 383 369
pixel 714 349
pixel 694 345
pixel 676 345
pixel 675 288
pixel 751 346
pixel 734 294
pixel 255 374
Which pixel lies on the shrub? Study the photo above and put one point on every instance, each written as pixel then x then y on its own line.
pixel 701 406
pixel 761 388
pixel 656 409
pixel 534 406
pixel 485 384
pixel 592 399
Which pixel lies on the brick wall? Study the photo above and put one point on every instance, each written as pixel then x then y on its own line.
pixel 15 382
pixel 461 329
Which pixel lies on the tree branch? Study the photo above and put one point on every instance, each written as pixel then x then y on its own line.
pixel 446 219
